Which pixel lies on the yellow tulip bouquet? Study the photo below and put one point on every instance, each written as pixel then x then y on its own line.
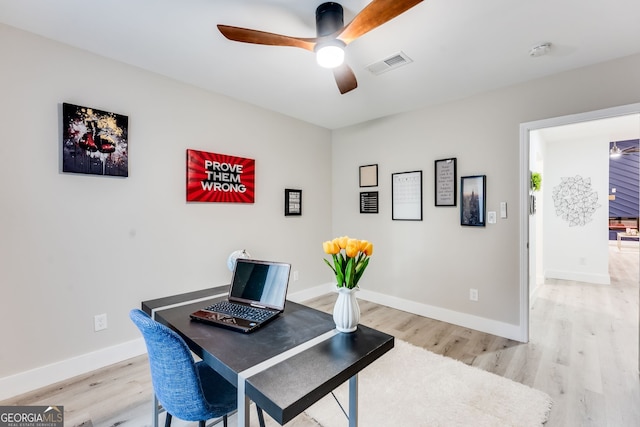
pixel 350 259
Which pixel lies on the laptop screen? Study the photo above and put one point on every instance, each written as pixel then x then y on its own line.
pixel 260 282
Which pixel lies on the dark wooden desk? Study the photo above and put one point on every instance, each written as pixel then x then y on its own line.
pixel 285 366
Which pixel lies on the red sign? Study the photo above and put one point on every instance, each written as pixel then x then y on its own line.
pixel 215 177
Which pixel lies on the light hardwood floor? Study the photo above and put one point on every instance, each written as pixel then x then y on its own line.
pixel 583 352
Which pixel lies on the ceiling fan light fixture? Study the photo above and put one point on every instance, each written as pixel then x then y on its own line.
pixel 615 151
pixel 330 55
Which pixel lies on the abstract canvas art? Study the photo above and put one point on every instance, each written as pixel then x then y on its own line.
pixel 94 141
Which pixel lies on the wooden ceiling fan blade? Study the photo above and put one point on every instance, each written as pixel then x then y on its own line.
pixel 373 15
pixel 345 78
pixel 246 35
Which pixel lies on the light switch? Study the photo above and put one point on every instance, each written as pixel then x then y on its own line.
pixel 491 217
pixel 503 209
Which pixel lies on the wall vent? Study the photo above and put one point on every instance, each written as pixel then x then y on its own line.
pixel 390 63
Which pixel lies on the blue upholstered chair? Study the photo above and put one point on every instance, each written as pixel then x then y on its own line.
pixel 187 390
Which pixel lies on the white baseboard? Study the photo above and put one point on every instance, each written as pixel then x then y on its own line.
pixel 23 382
pixel 534 294
pixel 598 279
pixel 34 379
pixel 477 323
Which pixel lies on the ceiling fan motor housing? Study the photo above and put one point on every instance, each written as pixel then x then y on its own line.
pixel 329 19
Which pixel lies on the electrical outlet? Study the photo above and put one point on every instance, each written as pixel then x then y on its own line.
pixel 473 294
pixel 295 276
pixel 99 322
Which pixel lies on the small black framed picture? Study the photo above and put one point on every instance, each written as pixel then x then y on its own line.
pixel 369 176
pixel 473 191
pixel 292 202
pixel 369 202
pixel 446 186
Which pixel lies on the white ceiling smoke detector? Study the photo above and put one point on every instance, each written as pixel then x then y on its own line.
pixel 540 50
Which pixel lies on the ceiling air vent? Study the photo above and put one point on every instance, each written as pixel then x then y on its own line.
pixel 390 63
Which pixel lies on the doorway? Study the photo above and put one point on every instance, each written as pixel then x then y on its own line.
pixel 529 239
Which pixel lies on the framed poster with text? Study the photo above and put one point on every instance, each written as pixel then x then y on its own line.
pixel 292 202
pixel 219 178
pixel 369 202
pixel 445 182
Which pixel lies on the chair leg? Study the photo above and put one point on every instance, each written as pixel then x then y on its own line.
pixel 224 420
pixel 202 423
pixel 260 416
pixel 167 421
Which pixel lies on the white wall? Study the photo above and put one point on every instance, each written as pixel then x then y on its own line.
pixel 72 245
pixel 429 266
pixel 578 252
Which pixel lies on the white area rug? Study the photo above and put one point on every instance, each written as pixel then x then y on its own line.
pixel 410 386
pixel 407 387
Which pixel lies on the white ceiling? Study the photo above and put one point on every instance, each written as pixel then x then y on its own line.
pixel 620 128
pixel 459 47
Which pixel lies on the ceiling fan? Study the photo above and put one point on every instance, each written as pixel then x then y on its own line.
pixel 616 151
pixel 332 36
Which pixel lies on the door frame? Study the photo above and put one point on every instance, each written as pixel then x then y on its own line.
pixel 525 129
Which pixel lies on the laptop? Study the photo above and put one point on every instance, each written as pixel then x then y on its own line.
pixel 256 296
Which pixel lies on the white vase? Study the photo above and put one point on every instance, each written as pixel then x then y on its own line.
pixel 346 312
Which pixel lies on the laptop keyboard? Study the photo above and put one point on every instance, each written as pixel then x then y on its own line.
pixel 253 314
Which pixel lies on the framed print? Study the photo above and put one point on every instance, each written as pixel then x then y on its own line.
pixel 94 141
pixel 369 202
pixel 446 187
pixel 219 178
pixel 473 200
pixel 369 176
pixel 406 194
pixel 292 202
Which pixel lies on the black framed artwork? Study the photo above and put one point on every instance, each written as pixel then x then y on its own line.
pixel 473 200
pixel 406 195
pixel 369 202
pixel 292 202
pixel 94 141
pixel 369 176
pixel 446 186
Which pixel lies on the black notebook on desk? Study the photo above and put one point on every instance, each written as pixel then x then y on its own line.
pixel 257 295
